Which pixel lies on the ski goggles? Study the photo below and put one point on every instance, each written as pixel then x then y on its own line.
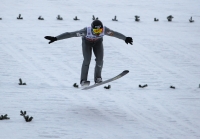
pixel 97 30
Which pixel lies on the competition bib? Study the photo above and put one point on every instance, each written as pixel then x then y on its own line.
pixel 92 37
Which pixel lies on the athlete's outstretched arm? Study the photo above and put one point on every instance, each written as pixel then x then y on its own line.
pixel 67 35
pixel 118 35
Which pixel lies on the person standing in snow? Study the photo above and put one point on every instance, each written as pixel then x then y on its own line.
pixel 92 39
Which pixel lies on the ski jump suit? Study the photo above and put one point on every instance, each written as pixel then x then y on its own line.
pixel 91 42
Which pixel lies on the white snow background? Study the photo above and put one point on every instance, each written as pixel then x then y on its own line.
pixel 163 54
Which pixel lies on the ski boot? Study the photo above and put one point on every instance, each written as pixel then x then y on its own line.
pixel 98 80
pixel 85 83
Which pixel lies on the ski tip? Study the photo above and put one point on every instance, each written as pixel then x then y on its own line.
pixel 127 71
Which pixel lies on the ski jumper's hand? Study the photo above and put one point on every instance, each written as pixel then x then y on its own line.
pixel 129 40
pixel 52 39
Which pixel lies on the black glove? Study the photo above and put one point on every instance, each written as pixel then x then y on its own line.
pixel 129 40
pixel 52 39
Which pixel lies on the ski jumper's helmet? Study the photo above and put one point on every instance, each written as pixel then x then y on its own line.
pixel 97 27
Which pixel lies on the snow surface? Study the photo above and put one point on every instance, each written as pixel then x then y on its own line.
pixel 163 54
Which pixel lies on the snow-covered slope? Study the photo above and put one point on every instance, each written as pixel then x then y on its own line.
pixel 163 54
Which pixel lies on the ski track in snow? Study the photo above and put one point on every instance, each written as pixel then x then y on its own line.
pixel 163 54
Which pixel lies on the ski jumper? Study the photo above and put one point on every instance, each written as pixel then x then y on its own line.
pixel 91 42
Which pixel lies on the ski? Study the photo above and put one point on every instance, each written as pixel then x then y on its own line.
pixel 107 81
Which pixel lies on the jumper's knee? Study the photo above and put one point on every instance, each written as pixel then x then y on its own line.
pixel 86 62
pixel 99 63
